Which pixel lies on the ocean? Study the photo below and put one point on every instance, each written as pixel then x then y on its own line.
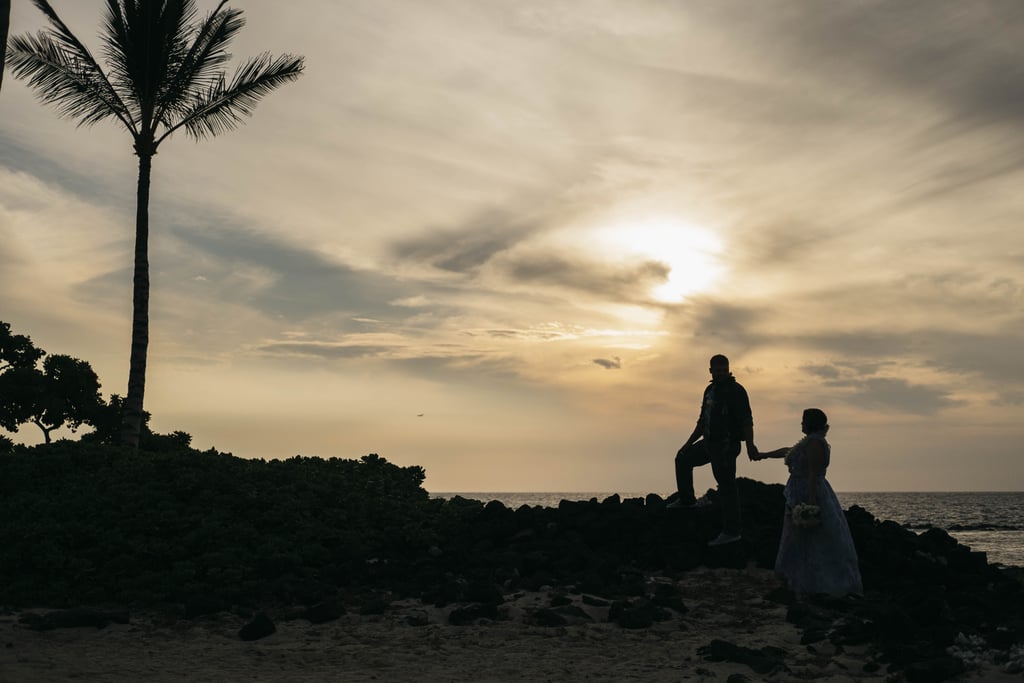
pixel 990 522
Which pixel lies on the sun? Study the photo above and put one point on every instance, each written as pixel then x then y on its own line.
pixel 691 253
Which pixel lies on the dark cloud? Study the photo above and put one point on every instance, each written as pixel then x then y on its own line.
pixel 300 282
pixel 732 324
pixel 1009 398
pixel 324 350
pixel 90 186
pixel 782 241
pixel 615 363
pixel 995 356
pixel 825 371
pixel 745 102
pixel 467 247
pixel 525 334
pixel 964 56
pixel 610 281
pixel 277 278
pixel 858 383
pixel 451 363
pixel 892 394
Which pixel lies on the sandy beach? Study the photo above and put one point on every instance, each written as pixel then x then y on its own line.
pixel 413 641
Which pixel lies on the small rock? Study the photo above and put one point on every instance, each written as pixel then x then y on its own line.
pixel 763 661
pixel 322 612
pixel 937 669
pixel 560 601
pixel 547 617
pixel 260 627
pixel 462 616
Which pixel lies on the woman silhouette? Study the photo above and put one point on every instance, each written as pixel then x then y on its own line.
pixel 816 552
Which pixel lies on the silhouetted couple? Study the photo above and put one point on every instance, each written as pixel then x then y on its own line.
pixel 816 551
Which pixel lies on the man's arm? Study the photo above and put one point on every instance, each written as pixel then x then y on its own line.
pixel 698 431
pixel 742 408
pixel 748 437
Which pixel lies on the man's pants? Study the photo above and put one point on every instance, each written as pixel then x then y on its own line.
pixel 722 456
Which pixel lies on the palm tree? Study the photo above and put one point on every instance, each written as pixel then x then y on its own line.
pixel 5 25
pixel 163 75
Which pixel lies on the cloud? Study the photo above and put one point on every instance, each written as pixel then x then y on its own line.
pixel 826 371
pixel 614 364
pixel 324 350
pixel 1009 398
pixel 94 185
pixel 467 247
pixel 609 281
pixel 709 318
pixel 891 394
pixel 291 280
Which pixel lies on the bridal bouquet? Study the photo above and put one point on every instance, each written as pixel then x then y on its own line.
pixel 806 515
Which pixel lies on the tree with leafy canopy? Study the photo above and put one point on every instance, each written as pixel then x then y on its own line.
pixel 106 425
pixel 17 350
pixel 66 392
pixel 163 75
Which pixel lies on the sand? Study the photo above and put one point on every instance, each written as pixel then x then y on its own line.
pixel 723 604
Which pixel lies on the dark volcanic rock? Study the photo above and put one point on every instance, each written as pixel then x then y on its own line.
pixel 763 661
pixel 469 614
pixel 484 592
pixel 560 600
pixel 322 612
pixel 203 605
pixel 546 617
pixel 934 670
pixel 260 627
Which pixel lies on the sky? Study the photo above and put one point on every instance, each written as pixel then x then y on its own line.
pixel 501 240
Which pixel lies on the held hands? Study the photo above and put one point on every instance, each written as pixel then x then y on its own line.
pixel 752 452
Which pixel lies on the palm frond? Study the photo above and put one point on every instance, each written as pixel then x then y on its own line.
pixel 61 50
pixel 195 71
pixel 115 32
pixel 66 79
pixel 61 32
pixel 143 42
pixel 223 107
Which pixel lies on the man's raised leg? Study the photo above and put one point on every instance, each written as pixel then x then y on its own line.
pixel 686 459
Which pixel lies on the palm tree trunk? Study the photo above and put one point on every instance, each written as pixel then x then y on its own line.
pixel 131 425
pixel 5 25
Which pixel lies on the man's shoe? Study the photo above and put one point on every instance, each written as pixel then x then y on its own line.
pixel 702 502
pixel 678 504
pixel 724 538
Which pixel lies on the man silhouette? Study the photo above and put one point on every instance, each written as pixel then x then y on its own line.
pixel 725 420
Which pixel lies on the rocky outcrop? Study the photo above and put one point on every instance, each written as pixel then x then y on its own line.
pixel 922 591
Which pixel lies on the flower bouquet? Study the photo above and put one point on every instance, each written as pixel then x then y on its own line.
pixel 806 516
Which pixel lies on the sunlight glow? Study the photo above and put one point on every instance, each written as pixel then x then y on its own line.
pixel 690 252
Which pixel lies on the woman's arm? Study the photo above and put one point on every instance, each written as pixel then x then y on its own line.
pixel 777 453
pixel 815 451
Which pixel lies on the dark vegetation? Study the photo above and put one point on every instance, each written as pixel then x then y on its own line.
pixel 88 523
pixel 64 392
pixel 193 532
